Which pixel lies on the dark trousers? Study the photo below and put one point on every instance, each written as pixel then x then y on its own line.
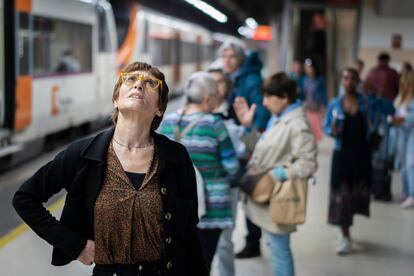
pixel 209 239
pixel 254 233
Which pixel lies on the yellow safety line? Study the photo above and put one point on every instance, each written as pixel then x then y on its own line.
pixel 13 234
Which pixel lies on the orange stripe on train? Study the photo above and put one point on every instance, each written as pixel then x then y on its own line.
pixel 23 116
pixel 23 6
pixel 128 46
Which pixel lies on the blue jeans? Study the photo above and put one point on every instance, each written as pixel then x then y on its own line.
pixel 225 247
pixel 280 254
pixel 407 169
pixel 406 158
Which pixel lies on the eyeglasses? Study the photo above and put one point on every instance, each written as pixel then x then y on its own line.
pixel 129 79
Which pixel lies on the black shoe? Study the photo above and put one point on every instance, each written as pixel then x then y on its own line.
pixel 248 252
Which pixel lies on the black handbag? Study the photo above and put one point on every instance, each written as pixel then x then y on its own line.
pixel 257 184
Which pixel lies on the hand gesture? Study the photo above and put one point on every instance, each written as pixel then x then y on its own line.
pixel 243 112
pixel 87 255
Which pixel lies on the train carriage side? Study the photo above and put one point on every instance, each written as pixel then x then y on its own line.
pixel 64 66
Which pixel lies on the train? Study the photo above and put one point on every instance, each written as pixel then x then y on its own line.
pixel 59 60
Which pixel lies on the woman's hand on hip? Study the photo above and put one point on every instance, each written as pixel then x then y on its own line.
pixel 243 112
pixel 87 255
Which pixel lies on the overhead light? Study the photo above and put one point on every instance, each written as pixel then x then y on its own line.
pixel 251 23
pixel 245 31
pixel 209 10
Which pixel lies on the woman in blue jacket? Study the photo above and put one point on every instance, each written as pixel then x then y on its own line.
pixel 347 120
pixel 404 119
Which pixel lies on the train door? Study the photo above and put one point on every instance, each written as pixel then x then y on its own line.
pixel 106 58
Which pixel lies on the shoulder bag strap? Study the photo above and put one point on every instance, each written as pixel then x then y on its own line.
pixel 178 135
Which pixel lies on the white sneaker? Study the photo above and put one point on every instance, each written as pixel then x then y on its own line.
pixel 408 203
pixel 344 247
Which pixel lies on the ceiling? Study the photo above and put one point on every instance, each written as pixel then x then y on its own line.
pixel 236 10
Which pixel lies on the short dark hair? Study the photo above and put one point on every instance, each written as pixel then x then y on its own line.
pixel 163 90
pixel 281 86
pixel 384 57
pixel 352 71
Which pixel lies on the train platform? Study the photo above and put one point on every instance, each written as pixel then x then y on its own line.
pixel 384 243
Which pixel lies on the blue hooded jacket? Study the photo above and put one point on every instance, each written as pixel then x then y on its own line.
pixel 248 84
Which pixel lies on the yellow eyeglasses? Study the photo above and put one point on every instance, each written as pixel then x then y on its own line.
pixel 129 79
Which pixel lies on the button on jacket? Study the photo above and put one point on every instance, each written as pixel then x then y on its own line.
pixel 80 171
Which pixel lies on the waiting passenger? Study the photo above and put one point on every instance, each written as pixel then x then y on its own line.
pixel 244 71
pixel 287 150
pixel 347 120
pixel 225 247
pixel 384 78
pixel 404 120
pixel 314 87
pixel 131 204
pixel 298 75
pixel 207 140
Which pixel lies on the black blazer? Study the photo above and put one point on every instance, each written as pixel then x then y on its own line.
pixel 80 171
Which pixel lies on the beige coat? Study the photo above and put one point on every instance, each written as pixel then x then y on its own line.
pixel 291 144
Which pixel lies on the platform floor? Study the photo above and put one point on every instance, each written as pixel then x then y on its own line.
pixel 384 243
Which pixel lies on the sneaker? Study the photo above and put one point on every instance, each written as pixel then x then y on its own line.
pixel 248 252
pixel 408 203
pixel 401 197
pixel 344 247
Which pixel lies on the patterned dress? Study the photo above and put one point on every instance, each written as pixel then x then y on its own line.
pixel 350 174
pixel 212 152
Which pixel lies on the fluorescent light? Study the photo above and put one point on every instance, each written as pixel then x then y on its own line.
pixel 251 23
pixel 209 10
pixel 89 1
pixel 245 31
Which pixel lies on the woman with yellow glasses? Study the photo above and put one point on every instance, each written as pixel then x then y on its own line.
pixel 131 206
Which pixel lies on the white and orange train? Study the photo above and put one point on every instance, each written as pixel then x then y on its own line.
pixel 59 60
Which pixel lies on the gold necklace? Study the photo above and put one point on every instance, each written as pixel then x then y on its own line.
pixel 136 147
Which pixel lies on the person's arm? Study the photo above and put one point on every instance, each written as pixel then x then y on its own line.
pixel 304 152
pixel 29 198
pixel 195 257
pixel 327 121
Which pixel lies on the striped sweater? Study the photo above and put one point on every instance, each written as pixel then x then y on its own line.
pixel 212 152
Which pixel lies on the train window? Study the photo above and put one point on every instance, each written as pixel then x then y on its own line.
pixel 161 50
pixel 188 52
pixel 57 50
pixel 23 44
pixel 104 39
pixel 208 52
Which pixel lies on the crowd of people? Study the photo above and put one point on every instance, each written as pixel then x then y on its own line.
pixel 175 182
